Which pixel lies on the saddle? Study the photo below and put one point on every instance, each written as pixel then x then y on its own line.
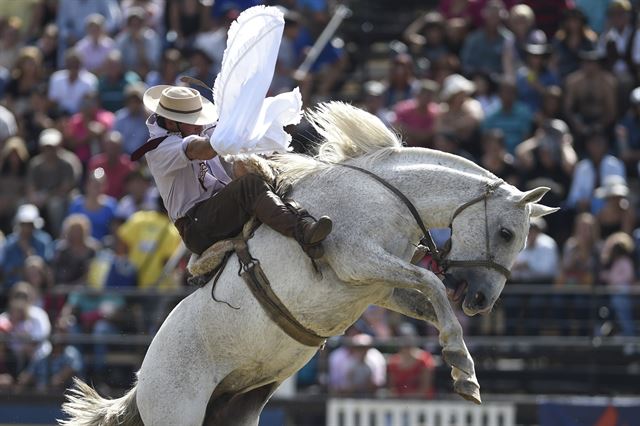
pixel 212 262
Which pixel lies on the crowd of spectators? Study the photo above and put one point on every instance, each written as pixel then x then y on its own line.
pixel 539 92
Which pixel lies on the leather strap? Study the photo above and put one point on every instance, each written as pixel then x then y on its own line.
pixel 148 146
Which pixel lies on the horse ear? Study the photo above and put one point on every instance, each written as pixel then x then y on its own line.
pixel 533 196
pixel 538 210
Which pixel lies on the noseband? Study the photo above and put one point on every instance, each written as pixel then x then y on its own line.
pixel 428 246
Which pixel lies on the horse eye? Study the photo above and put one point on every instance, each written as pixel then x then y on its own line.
pixel 506 234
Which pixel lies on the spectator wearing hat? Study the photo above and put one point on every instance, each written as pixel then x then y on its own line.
pixel 612 207
pixel 427 36
pixel 114 81
pixel 51 177
pixel 590 97
pixel 14 158
pixel 94 48
pixel 513 117
pixel 521 23
pixel 139 44
pixel 535 76
pixel 619 44
pixel 114 162
pixel 484 48
pixel 95 205
pixel 573 37
pixel 411 370
pixel 628 135
pixel 373 102
pixel 67 87
pixel 130 121
pixel 27 239
pixel 461 114
pixel 358 369
pixel 416 118
pixel 87 127
pixel 595 168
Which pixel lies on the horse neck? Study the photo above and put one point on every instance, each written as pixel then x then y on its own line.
pixel 436 184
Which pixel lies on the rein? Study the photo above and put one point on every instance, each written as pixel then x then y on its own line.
pixel 427 243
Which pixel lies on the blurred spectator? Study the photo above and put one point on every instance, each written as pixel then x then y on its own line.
pixel 428 37
pixel 38 274
pixel 591 170
pixel 68 87
pixel 401 81
pixel 471 11
pixel 139 45
pixel 496 159
pixel 287 55
pixel 590 97
pixel 535 76
pixel 65 361
pixel 154 11
pixel 113 82
pixel 410 371
pixel 8 126
pixel 95 205
pixel 87 127
pixel 448 142
pixel 115 164
pixel 375 322
pixel 170 68
pixel 51 177
pixel 13 172
pixel 149 239
pixel 140 195
pixel 416 117
pixel 26 240
pixel 614 211
pixel 484 49
pixel 619 273
pixel 551 107
pixel 38 117
pixel 573 37
pixel 94 48
pixel 549 13
pixel 202 69
pixel 29 330
pixel 214 41
pixel 48 46
pixel 538 262
pixel 373 102
pixel 74 251
pixel 581 253
pixel 486 92
pixel 522 24
pixel 461 114
pixel 10 42
pixel 72 16
pixel 628 134
pixel 514 118
pixel 186 19
pixel 548 159
pixel 595 12
pixel 221 7
pixel 357 370
pixel 26 76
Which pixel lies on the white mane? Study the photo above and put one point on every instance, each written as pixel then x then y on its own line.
pixel 349 133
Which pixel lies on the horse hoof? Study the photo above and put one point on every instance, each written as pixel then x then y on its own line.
pixel 468 390
pixel 459 360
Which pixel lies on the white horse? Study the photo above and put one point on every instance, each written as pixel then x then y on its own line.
pixel 210 364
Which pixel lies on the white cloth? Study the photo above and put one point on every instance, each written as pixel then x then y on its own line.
pixel 249 123
pixel 584 177
pixel 35 327
pixel 341 362
pixel 176 176
pixel 69 94
pixel 540 261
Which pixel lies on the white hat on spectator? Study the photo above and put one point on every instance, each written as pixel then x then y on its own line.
pixel 613 186
pixel 50 137
pixel 28 213
pixel 181 104
pixel 455 84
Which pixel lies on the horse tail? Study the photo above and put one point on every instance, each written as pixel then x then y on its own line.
pixel 85 407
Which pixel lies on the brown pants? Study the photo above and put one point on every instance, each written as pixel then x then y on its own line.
pixel 223 215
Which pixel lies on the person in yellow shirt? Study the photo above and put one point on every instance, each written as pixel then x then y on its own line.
pixel 150 239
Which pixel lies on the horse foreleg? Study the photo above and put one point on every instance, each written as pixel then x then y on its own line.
pixel 414 304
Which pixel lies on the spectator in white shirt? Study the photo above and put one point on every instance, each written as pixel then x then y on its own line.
pixel 357 369
pixel 94 48
pixel 140 45
pixel 8 126
pixel 68 87
pixel 539 259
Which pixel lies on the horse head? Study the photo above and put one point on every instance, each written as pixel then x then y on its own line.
pixel 487 234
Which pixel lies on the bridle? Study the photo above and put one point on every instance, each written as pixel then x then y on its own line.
pixel 428 246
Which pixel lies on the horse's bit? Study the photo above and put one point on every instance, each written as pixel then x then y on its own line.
pixel 426 242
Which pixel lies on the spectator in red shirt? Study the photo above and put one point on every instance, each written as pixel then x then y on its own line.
pixel 411 370
pixel 86 128
pixel 115 164
pixel 416 117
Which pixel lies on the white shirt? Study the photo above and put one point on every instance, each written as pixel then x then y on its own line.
pixel 93 55
pixel 67 94
pixel 176 176
pixel 341 362
pixel 540 261
pixel 584 177
pixel 36 327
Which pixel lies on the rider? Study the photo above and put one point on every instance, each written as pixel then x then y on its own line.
pixel 205 202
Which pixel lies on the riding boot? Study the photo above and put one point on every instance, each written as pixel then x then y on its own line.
pixel 291 221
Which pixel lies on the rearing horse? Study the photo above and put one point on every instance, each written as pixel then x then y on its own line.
pixel 210 364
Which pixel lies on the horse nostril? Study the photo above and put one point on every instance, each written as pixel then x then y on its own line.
pixel 479 299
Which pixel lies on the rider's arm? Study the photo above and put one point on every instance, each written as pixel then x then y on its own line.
pixel 200 148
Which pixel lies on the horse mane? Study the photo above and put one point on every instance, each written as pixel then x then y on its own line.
pixel 349 133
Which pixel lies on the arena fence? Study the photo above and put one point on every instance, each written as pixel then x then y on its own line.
pixel 372 412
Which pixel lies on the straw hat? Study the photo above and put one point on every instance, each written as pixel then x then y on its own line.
pixel 455 84
pixel 613 186
pixel 181 104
